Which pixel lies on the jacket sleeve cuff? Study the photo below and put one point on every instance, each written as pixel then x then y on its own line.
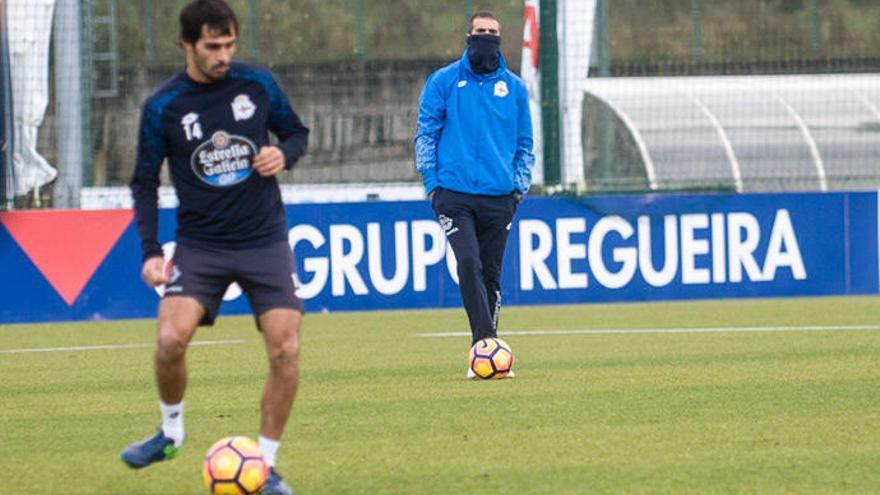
pixel 430 182
pixel 153 252
pixel 292 153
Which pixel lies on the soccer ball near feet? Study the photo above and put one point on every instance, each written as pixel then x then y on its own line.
pixel 490 358
pixel 235 466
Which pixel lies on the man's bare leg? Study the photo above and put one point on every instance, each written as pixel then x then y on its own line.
pixel 280 328
pixel 179 317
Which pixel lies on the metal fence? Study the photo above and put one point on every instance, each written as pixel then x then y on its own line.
pixel 354 68
pixel 791 111
pixel 714 37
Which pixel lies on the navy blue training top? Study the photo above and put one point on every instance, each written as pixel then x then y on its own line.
pixel 210 134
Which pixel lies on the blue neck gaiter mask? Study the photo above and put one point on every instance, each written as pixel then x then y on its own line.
pixel 482 50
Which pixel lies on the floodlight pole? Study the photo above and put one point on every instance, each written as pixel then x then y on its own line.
pixel 604 134
pixel 149 48
pixel 602 38
pixel 815 30
pixel 7 191
pixel 252 31
pixel 360 30
pixel 549 69
pixel 697 35
pixel 70 103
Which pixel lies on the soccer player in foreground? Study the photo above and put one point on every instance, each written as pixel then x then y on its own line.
pixel 474 151
pixel 212 122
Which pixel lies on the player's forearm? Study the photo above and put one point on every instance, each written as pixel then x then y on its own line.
pixel 146 214
pixel 294 147
pixel 523 162
pixel 430 125
pixel 147 225
pixel 426 160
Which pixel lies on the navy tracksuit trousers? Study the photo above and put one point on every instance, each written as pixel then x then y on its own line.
pixel 476 228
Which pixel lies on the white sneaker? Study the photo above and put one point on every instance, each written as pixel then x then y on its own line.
pixel 511 374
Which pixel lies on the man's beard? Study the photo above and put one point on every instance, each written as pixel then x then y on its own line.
pixel 216 73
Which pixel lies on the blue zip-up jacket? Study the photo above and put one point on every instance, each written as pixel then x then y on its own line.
pixel 474 131
pixel 210 134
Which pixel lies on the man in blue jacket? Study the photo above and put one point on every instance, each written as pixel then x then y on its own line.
pixel 474 151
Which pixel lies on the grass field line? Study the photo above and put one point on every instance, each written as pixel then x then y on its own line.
pixel 614 331
pixel 114 346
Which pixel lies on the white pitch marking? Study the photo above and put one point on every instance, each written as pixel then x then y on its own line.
pixel 613 331
pixel 113 347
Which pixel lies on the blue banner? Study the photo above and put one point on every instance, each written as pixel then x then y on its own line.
pixel 393 255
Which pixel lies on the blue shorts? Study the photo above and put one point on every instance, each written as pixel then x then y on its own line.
pixel 265 275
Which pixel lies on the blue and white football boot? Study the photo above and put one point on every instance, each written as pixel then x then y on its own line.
pixel 154 449
pixel 276 485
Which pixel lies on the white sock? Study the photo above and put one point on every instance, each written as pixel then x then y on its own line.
pixel 269 448
pixel 172 421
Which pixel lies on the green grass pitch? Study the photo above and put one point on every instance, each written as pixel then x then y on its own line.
pixel 384 410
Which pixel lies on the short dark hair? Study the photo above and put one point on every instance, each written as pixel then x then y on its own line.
pixel 216 14
pixel 481 14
